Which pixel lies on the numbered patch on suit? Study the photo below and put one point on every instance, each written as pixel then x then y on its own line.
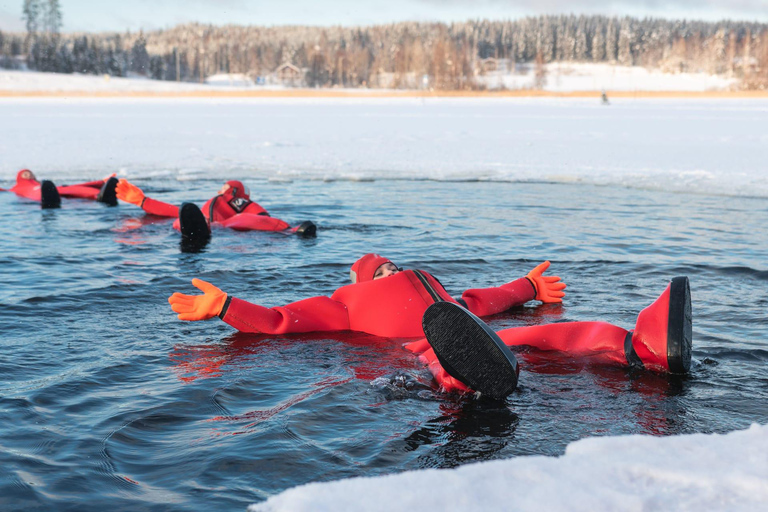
pixel 239 204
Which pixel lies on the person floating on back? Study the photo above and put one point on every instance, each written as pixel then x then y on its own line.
pixel 461 352
pixel 232 207
pixel 49 195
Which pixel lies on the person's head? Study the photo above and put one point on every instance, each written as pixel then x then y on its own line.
pixel 371 267
pixel 235 188
pixel 25 175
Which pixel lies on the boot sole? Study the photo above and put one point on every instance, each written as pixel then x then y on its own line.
pixel 49 195
pixel 680 326
pixel 307 229
pixel 194 228
pixel 107 194
pixel 470 351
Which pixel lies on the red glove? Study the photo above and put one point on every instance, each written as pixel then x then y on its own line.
pixel 548 288
pixel 198 307
pixel 129 192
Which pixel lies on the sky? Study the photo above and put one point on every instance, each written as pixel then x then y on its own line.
pixel 119 15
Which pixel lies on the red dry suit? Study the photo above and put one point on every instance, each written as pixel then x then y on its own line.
pixel 391 307
pixel 394 306
pixel 233 209
pixel 27 186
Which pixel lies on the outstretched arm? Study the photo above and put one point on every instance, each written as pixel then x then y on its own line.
pixel 315 314
pixel 489 301
pixel 130 193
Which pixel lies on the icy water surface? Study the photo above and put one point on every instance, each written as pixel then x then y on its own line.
pixel 107 401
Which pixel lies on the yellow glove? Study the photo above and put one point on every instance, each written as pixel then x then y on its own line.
pixel 548 288
pixel 198 307
pixel 129 192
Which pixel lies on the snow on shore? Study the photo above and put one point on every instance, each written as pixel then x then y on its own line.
pixel 559 77
pixel 568 77
pixel 626 473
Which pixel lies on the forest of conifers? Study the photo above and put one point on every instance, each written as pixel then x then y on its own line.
pixel 451 55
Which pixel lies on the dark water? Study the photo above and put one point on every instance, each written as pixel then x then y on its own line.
pixel 107 401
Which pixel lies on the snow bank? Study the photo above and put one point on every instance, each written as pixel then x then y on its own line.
pixel 230 80
pixel 691 472
pixel 567 77
pixel 559 77
pixel 60 82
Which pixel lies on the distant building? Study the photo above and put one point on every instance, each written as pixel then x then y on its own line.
pixel 288 74
pixel 489 64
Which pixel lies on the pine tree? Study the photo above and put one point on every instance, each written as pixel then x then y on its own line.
pixel 598 43
pixel 31 16
pixel 625 43
pixel 53 17
pixel 139 60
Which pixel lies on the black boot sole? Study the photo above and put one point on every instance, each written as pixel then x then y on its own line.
pixel 679 326
pixel 107 194
pixel 470 351
pixel 49 195
pixel 195 232
pixel 307 229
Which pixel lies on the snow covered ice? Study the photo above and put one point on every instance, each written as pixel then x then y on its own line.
pixel 630 473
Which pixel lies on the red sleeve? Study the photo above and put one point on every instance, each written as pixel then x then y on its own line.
pixel 308 315
pixel 489 301
pixel 160 208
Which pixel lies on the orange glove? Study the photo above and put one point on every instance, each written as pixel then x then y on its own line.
pixel 198 307
pixel 548 288
pixel 129 192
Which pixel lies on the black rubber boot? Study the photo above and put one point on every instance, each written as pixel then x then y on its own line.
pixel 307 229
pixel 470 351
pixel 107 194
pixel 663 335
pixel 49 195
pixel 195 232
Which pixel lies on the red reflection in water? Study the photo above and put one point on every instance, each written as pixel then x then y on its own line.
pixel 128 228
pixel 380 357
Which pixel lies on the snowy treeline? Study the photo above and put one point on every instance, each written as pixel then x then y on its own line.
pixel 444 56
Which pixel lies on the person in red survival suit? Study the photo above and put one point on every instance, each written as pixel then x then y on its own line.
pixel 232 207
pixel 49 195
pixel 387 301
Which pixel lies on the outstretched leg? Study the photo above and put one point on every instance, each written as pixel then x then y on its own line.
pixel 661 340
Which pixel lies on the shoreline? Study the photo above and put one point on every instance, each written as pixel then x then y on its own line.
pixel 330 93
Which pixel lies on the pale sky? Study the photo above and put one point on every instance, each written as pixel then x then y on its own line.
pixel 120 15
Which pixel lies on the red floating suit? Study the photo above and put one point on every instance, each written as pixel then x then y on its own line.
pixel 391 307
pixel 28 187
pixel 233 209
